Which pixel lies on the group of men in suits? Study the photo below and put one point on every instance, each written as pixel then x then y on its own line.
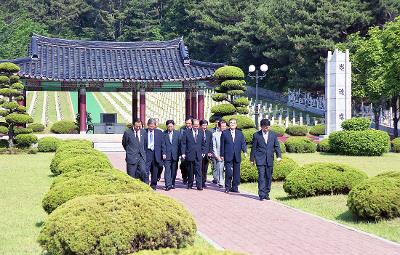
pixel 150 150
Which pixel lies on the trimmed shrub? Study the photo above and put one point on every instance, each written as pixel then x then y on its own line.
pixel 48 144
pixel 359 143
pixel 75 144
pixel 278 130
pixel 117 224
pixel 242 109
pixel 19 118
pixel 14 78
pixel 219 97
pixel 82 162
pixel 283 147
pixel 37 127
pixel 64 127
pixel 4 79
pixel 233 85
pixel 297 130
pixel 187 251
pixel 22 130
pixel 18 86
pixel 95 183
pixel 300 145
pixel 283 168
pixel 322 178
pixel 3 130
pixel 243 122
pixel 396 144
pixel 10 105
pixel 323 146
pixel 248 171
pixel 235 92
pixel 241 101
pixel 8 67
pixel 229 72
pixel 223 109
pixel 376 198
pixel 356 124
pixel 248 134
pixel 25 140
pixel 317 130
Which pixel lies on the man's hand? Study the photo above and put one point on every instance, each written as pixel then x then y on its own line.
pixel 164 156
pixel 222 158
pixel 183 156
pixel 278 159
pixel 210 154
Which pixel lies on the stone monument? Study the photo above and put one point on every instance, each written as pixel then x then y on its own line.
pixel 337 90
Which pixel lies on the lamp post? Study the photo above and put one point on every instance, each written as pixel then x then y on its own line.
pixel 253 74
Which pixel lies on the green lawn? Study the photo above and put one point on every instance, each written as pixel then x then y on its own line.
pixel 334 207
pixel 65 106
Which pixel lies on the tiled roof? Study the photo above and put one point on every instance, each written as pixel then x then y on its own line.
pixel 57 59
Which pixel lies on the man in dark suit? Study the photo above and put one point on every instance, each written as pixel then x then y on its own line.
pixel 192 152
pixel 155 148
pixel 133 142
pixel 171 154
pixel 232 144
pixel 183 166
pixel 264 144
pixel 208 149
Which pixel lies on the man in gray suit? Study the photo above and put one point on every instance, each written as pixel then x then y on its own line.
pixel 133 143
pixel 219 163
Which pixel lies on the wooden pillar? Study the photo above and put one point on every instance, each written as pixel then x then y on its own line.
pixel 194 104
pixel 201 105
pixel 188 109
pixel 82 110
pixel 134 105
pixel 143 105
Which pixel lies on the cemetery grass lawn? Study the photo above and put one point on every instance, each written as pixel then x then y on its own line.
pixel 334 207
pixel 24 179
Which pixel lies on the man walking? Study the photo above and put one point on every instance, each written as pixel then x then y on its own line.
pixel 192 152
pixel 208 148
pixel 218 162
pixel 171 154
pixel 133 142
pixel 264 144
pixel 232 144
pixel 183 166
pixel 155 147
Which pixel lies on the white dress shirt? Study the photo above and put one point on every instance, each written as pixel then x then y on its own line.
pixel 265 135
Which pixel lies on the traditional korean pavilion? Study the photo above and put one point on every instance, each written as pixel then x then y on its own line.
pixel 55 64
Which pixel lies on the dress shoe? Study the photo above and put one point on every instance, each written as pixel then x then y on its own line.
pixel 173 187
pixel 220 185
pixel 261 199
pixel 184 182
pixel 214 181
pixel 267 198
pixel 154 188
pixel 167 189
pixel 204 186
pixel 189 187
pixel 199 188
pixel 234 191
pixel 226 190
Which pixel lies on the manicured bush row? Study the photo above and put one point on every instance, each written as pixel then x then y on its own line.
pixel 278 130
pixel 300 145
pixel 317 130
pixel 187 251
pixel 323 146
pixel 297 130
pixel 37 127
pixel 82 162
pixel 75 144
pixel 396 144
pixel 48 144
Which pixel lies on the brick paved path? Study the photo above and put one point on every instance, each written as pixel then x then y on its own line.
pixel 241 223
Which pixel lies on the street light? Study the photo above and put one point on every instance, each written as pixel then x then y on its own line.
pixel 257 77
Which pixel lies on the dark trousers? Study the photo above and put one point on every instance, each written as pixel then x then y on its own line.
pixel 159 173
pixel 171 167
pixel 184 170
pixel 138 170
pixel 232 175
pixel 151 168
pixel 264 180
pixel 194 169
pixel 204 170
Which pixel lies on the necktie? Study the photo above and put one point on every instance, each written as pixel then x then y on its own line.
pixel 170 137
pixel 151 145
pixel 195 136
pixel 137 136
pixel 233 135
pixel 204 136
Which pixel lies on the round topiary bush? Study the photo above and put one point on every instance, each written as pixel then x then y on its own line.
pixel 297 130
pixel 75 144
pixel 248 134
pixel 376 198
pixel 356 124
pixel 278 130
pixel 233 85
pixel 48 144
pixel 25 140
pixel 229 72
pixel 187 251
pixel 317 130
pixel 322 178
pixel 117 224
pixel 323 146
pixel 64 127
pixel 72 153
pixel 396 144
pixel 283 168
pixel 82 162
pixel 36 127
pixel 223 109
pixel 359 143
pixel 92 183
pixel 243 122
pixel 300 145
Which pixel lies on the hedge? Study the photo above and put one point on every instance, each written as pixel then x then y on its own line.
pixel 75 144
pixel 249 172
pixel 223 109
pixel 25 140
pixel 323 146
pixel 117 224
pixel 64 127
pixel 356 124
pixel 229 72
pixel 297 130
pixel 243 122
pixel 48 144
pixel 82 162
pixel 322 178
pixel 187 251
pixel 396 144
pixel 359 143
pixel 376 198
pixel 317 130
pixel 300 145
pixel 248 134
pixel 94 183
pixel 282 146
pixel 278 130
pixel 37 127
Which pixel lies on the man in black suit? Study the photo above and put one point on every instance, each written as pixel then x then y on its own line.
pixel 192 152
pixel 155 147
pixel 171 154
pixel 183 166
pixel 208 149
pixel 264 144
pixel 232 144
pixel 133 142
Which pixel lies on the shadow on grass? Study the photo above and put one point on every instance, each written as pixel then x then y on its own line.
pixel 39 224
pixel 348 217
